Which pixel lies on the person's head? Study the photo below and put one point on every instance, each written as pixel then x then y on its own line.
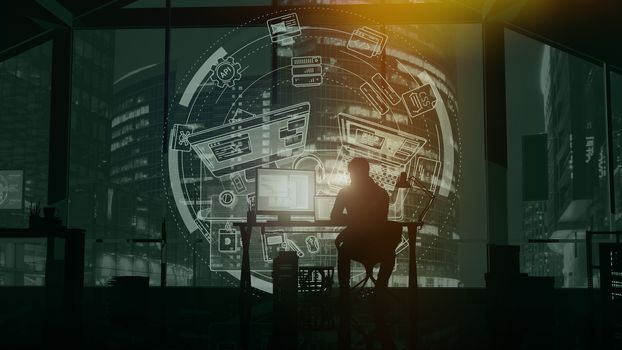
pixel 359 169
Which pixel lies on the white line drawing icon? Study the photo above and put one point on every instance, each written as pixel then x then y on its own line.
pixel 227 198
pixel 367 42
pixel 307 71
pixel 313 244
pixel 271 243
pixel 419 100
pixel 227 241
pixel 226 72
pixel 238 146
pixel 388 150
pixel 179 137
pixel 387 90
pixel 293 246
pixel 374 98
pixel 240 114
pixel 427 171
pixel 284 28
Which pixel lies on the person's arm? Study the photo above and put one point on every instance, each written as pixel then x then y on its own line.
pixel 337 214
pixel 385 205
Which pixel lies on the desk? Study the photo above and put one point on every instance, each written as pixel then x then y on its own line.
pixel 64 277
pixel 245 279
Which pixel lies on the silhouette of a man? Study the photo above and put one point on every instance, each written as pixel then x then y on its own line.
pixel 366 208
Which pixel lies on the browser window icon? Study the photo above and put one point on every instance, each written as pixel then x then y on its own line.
pixel 284 28
pixel 367 42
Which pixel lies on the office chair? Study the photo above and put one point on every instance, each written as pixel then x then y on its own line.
pixel 386 245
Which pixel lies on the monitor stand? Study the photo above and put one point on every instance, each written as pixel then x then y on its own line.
pixel 283 217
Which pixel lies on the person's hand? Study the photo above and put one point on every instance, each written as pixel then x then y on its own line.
pixel 338 241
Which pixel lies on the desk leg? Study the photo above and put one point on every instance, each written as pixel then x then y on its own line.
pixel 412 284
pixel 245 288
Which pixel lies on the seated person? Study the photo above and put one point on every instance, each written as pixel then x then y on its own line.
pixel 368 237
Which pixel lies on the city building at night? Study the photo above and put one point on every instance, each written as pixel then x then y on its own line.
pixel 317 174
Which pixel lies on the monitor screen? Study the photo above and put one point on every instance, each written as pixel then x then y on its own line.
pixel 285 191
pixel 11 189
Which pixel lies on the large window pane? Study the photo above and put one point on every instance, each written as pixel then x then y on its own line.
pixel 22 262
pixel 452 251
pixel 616 132
pixel 116 190
pixel 558 180
pixel 24 135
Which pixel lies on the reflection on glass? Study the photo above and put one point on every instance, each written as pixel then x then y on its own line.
pixel 556 115
pixel 115 171
pixel 22 262
pixel 616 111
pixel 24 135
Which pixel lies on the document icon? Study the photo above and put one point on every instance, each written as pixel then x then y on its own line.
pixel 419 100
pixel 367 42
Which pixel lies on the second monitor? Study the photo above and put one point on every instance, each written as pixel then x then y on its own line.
pixel 284 192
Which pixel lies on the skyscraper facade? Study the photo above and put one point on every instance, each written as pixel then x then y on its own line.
pixel 575 122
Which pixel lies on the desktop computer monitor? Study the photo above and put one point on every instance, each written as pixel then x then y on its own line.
pixel 285 192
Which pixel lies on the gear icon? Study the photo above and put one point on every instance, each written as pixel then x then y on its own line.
pixel 226 72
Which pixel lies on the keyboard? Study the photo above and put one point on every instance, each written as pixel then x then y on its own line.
pixel 385 176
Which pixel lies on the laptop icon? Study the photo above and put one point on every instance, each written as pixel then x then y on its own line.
pixel 254 141
pixel 388 150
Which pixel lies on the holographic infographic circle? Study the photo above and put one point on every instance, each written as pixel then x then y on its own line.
pixel 280 92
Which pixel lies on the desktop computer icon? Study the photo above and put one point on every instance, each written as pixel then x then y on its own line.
pixel 254 141
pixel 388 150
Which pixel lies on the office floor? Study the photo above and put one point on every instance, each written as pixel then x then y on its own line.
pixel 208 318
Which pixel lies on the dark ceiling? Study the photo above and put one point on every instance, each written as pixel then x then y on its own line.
pixel 588 27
